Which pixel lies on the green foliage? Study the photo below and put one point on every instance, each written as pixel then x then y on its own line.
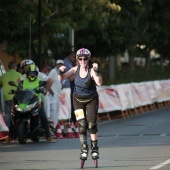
pixel 106 27
pixel 139 75
pixel 14 25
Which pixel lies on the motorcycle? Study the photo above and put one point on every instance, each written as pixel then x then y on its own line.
pixel 26 105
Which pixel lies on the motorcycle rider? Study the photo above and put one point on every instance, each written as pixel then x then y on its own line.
pixel 24 65
pixel 31 82
pixel 43 77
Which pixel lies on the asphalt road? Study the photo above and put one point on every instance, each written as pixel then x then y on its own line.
pixel 137 143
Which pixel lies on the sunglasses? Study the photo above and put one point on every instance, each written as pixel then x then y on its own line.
pixel 85 58
pixel 32 72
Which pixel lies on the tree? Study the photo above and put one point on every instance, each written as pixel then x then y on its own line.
pixel 14 25
pixel 107 28
pixel 57 18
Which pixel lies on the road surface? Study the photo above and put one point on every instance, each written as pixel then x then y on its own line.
pixel 138 143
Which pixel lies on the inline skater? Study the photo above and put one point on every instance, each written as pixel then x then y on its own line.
pixel 85 100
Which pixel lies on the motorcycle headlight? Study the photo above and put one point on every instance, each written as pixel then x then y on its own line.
pixel 26 108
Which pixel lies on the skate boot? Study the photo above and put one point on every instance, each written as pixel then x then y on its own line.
pixel 84 152
pixel 94 150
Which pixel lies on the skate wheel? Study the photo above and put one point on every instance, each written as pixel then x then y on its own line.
pixel 96 163
pixel 82 164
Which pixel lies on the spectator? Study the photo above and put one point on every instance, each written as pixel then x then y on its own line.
pixel 68 62
pixel 56 87
pixel 19 69
pixel 49 65
pixel 10 75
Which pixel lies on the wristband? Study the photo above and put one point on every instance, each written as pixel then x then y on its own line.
pixel 97 71
pixel 60 72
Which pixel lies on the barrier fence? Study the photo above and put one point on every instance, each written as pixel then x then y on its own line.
pixel 132 98
pixel 129 99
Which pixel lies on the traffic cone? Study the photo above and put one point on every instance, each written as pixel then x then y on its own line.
pixel 73 127
pixel 70 133
pixel 62 129
pixel 61 126
pixel 59 132
pixel 76 130
pixel 3 135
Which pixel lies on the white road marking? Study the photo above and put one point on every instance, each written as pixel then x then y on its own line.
pixel 163 134
pixel 161 164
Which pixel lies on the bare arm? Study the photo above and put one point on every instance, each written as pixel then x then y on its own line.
pixel 49 84
pixel 72 78
pixel 68 74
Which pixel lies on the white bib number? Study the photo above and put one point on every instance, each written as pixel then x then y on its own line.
pixel 79 114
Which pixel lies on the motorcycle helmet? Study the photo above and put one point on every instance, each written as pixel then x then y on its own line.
pixel 83 52
pixel 32 72
pixel 26 62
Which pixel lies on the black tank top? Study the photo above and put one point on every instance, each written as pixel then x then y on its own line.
pixel 84 86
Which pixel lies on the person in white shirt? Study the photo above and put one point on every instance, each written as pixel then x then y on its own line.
pixel 56 88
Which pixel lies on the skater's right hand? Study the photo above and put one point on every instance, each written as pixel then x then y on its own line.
pixel 62 68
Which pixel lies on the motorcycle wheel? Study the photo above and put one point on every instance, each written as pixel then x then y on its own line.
pixel 35 139
pixel 34 128
pixel 22 132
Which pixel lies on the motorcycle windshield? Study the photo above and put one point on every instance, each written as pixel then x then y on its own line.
pixel 24 96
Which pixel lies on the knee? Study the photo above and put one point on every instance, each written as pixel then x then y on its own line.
pixel 92 127
pixel 82 126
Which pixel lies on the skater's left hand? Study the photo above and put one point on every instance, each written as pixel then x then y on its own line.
pixel 95 66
